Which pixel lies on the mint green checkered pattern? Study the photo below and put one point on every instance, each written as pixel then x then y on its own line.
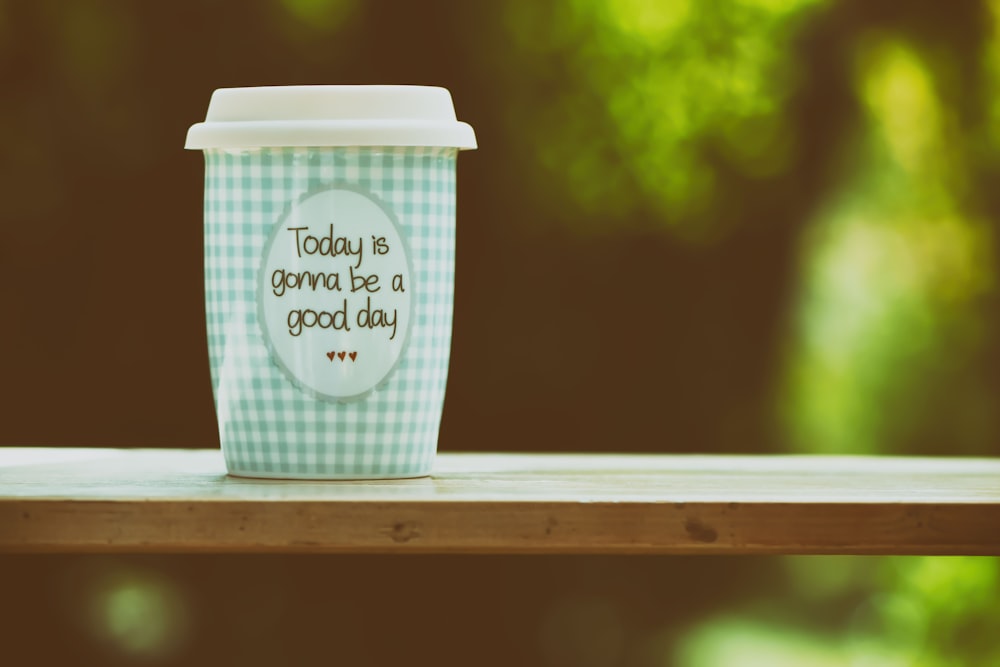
pixel 267 426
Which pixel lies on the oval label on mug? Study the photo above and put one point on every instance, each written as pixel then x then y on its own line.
pixel 335 293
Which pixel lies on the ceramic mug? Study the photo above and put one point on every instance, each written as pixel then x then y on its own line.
pixel 329 274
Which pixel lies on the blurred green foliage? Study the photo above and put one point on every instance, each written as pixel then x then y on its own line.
pixel 653 106
pixel 325 14
pixel 647 103
pixel 887 612
pixel 136 612
pixel 893 271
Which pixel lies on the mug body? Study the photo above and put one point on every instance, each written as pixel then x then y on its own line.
pixel 329 286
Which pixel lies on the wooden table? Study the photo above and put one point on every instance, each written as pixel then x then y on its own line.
pixel 141 500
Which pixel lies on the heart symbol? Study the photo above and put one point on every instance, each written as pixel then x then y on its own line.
pixel 353 355
pixel 341 355
pixel 331 355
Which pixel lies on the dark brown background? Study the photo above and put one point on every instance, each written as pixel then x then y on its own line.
pixel 574 331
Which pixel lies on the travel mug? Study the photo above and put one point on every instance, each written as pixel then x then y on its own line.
pixel 329 275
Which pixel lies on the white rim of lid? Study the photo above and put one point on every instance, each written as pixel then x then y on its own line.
pixel 272 116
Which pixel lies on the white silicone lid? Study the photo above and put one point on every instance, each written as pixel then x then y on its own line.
pixel 330 116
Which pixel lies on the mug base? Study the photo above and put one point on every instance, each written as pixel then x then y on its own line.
pixel 317 477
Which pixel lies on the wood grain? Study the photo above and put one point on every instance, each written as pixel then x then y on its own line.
pixel 134 500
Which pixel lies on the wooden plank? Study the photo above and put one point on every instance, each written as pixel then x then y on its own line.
pixel 76 500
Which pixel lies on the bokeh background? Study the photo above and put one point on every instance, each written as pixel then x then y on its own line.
pixel 749 226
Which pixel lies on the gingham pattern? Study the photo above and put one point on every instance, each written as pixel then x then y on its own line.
pixel 267 426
